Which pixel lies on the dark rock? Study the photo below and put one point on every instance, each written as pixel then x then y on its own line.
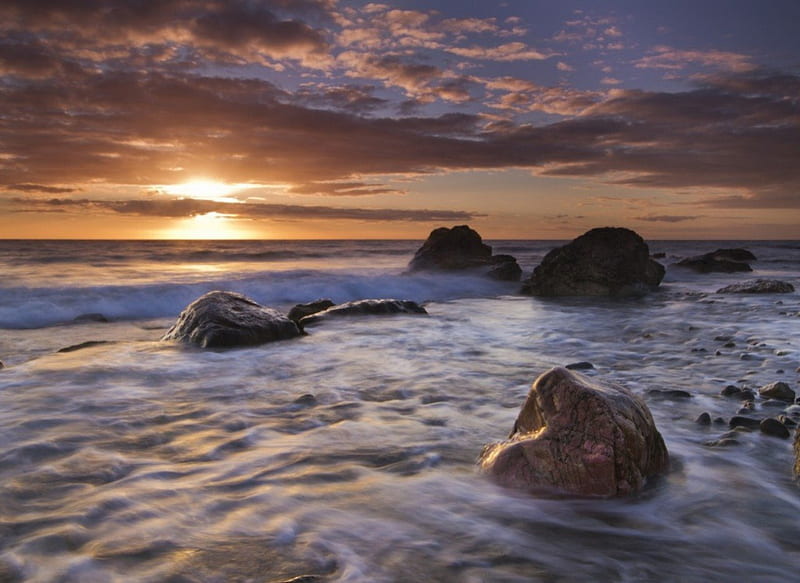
pixel 730 391
pixel 306 400
pixel 659 255
pixel 2 366
pixel 724 442
pixel 582 365
pixel 703 419
pixel 778 390
pixel 736 254
pixel 774 428
pixel 505 268
pixel 669 394
pixel 93 317
pixel 300 311
pixel 741 421
pixel 579 436
pixel 787 421
pixel 366 308
pixel 719 261
pixel 83 345
pixel 797 452
pixel 462 248
pixel 602 262
pixel 773 404
pixel 723 338
pixel 747 395
pixel 730 344
pixel 758 286
pixel 719 421
pixel 221 319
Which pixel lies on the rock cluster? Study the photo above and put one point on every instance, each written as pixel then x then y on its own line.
pixel 607 261
pixel 719 261
pixel 758 286
pixel 579 436
pixel 461 248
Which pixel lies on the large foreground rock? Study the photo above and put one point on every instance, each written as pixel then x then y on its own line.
pixel 221 319
pixel 379 307
pixel 578 436
pixel 462 248
pixel 719 261
pixel 758 286
pixel 606 261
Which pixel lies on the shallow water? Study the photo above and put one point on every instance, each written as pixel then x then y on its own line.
pixel 350 453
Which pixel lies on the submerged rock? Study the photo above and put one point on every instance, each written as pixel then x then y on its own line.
pixel 758 286
pixel 92 317
pixel 719 261
pixel 607 261
pixel 579 436
pixel 367 308
pixel 222 319
pixel 300 311
pixel 462 248
pixel 82 345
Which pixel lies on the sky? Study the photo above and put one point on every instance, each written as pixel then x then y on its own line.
pixel 319 119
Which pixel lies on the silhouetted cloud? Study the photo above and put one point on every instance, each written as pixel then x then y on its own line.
pixel 40 188
pixel 668 218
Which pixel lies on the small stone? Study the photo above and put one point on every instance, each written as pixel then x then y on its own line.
pixel 699 350
pixel 779 371
pixel 787 421
pixel 725 442
pixel 703 419
pixel 730 391
pixel 774 404
pixel 718 353
pixel 582 365
pixel 777 390
pixel 774 428
pixel 83 345
pixel 719 421
pixel 745 356
pixel 723 338
pixel 669 394
pixel 729 345
pixel 305 400
pixel 740 421
pixel 747 395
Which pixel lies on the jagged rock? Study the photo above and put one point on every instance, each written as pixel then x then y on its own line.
pixel 778 390
pixel 758 286
pixel 300 311
pixel 462 248
pixel 580 436
pixel 366 308
pixel 719 261
pixel 221 319
pixel 607 261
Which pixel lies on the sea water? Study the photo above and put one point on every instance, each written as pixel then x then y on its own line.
pixel 349 454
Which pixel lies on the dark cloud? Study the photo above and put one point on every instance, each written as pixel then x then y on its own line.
pixel 668 218
pixel 187 207
pixel 342 189
pixel 40 188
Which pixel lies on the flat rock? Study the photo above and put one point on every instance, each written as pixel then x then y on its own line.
pixel 461 248
pixel 578 436
pixel 606 261
pixel 758 286
pixel 366 308
pixel 300 311
pixel 719 261
pixel 778 390
pixel 774 428
pixel 222 319
pixel 742 421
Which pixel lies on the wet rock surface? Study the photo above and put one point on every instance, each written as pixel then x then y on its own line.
pixel 778 390
pixel 461 248
pixel 300 311
pixel 719 261
pixel 378 307
pixel 758 286
pixel 579 436
pixel 222 319
pixel 607 261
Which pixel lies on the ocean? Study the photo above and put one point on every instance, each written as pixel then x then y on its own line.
pixel 348 455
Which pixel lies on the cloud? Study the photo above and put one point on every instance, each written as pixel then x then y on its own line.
pixel 40 188
pixel 186 208
pixel 668 218
pixel 514 51
pixel 664 57
pixel 342 189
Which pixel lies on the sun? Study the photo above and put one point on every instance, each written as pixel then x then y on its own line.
pixel 204 189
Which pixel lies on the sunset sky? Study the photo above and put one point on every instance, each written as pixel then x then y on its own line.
pixel 345 119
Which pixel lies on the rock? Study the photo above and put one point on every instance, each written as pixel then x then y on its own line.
pixel 741 421
pixel 93 317
pixel 775 428
pixel 306 400
pixel 2 366
pixel 300 311
pixel 83 345
pixel 366 308
pixel 758 286
pixel 582 365
pixel 703 419
pixel 719 261
pixel 730 391
pixel 787 421
pixel 797 452
pixel 462 248
pixel 778 390
pixel 580 436
pixel 659 255
pixel 602 262
pixel 736 254
pixel 505 268
pixel 221 319
pixel 724 442
pixel 669 394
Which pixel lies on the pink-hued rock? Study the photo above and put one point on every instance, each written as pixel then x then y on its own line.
pixel 578 436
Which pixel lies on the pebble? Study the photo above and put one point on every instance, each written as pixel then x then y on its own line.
pixel 306 400
pixel 774 428
pixel 582 365
pixel 740 421
pixel 729 345
pixel 703 419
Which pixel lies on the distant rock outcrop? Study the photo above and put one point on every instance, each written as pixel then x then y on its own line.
pixel 462 248
pixel 578 436
pixel 607 261
pixel 221 319
pixel 758 286
pixel 719 261
pixel 366 308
